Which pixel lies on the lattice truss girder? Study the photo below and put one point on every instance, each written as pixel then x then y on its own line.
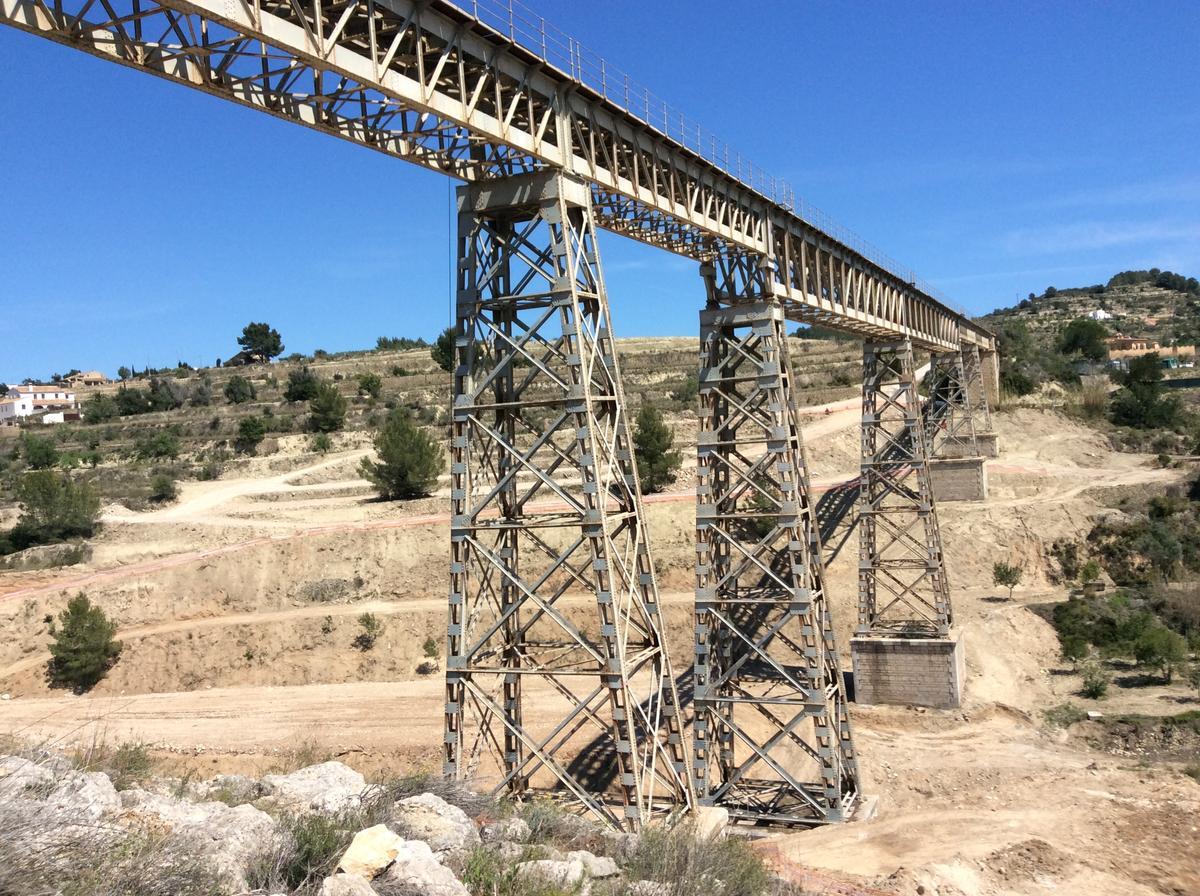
pixel 976 390
pixel 556 640
pixel 771 737
pixel 902 586
pixel 947 413
pixel 424 81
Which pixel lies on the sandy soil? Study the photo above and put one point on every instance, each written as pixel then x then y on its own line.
pixel 239 603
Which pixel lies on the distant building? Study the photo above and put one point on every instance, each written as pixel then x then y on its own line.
pixel 1100 314
pixel 34 401
pixel 87 378
pixel 1136 346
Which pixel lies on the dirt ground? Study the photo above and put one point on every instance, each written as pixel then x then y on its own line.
pixel 239 602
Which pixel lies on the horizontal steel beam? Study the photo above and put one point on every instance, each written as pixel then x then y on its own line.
pixel 425 81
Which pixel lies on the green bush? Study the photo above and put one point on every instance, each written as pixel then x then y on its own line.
pixel 1064 715
pixel 100 409
pixel 1095 680
pixel 307 855
pixel 53 508
pixel 370 384
pixel 372 628
pixel 157 445
pixel 301 385
pixel 321 442
pixel 1084 337
pixel 442 351
pixel 40 453
pixel 83 649
pixel 1005 575
pixel 409 459
pixel 162 488
pixel 693 867
pixel 327 409
pixel 652 448
pixel 251 432
pixel 1140 402
pixel 1161 649
pixel 239 390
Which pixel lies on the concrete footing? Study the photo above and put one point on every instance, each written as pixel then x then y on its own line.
pixel 986 444
pixel 958 478
pixel 909 671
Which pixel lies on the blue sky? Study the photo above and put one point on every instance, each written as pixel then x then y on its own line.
pixel 996 148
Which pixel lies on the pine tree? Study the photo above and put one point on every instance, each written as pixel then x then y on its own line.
pixel 409 460
pixel 83 649
pixel 652 444
pixel 327 410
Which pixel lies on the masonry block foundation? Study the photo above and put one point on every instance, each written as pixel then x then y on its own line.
pixel 909 671
pixel 958 478
pixel 986 444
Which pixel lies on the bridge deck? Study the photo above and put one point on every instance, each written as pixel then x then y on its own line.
pixel 433 84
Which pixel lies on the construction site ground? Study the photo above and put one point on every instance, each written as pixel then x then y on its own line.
pixel 237 606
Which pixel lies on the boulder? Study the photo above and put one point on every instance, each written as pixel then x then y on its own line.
pixel 510 830
pixel 595 866
pixel 711 822
pixel 370 851
pixel 345 885
pixel 330 787
pixel 229 837
pixel 19 775
pixel 509 852
pixel 649 888
pixel 419 872
pixel 83 796
pixel 430 818
pixel 619 843
pixel 566 874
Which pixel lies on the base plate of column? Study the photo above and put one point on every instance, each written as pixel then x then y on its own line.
pixel 909 671
pixel 958 479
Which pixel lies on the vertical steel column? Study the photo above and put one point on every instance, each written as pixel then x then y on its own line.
pixel 947 414
pixel 902 587
pixel 976 390
pixel 557 674
pixel 771 739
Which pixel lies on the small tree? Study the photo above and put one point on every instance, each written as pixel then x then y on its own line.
pixel 40 453
pixel 261 341
pixel 409 460
pixel 239 390
pixel 327 409
pixel 1084 337
pixel 442 351
pixel 54 507
pixel 652 444
pixel 157 445
pixel 301 385
pixel 1161 649
pixel 372 628
pixel 162 488
pixel 1089 572
pixel 370 384
pixel 124 373
pixel 1095 680
pixel 251 431
pixel 1074 649
pixel 321 442
pixel 1005 575
pixel 83 649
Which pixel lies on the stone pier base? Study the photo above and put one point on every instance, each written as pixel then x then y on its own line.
pixel 958 478
pixel 909 671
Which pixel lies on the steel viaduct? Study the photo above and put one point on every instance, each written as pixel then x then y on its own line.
pixel 551 143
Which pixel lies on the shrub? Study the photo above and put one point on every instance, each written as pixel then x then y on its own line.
pixel 693 867
pixel 321 442
pixel 100 409
pixel 442 351
pixel 1161 649
pixel 370 384
pixel 652 444
pixel 1005 575
pixel 430 648
pixel 327 409
pixel 157 445
pixel 251 432
pixel 1084 337
pixel 1140 402
pixel 39 452
pixel 308 854
pixel 301 385
pixel 83 649
pixel 162 488
pixel 372 628
pixel 1095 680
pixel 688 390
pixel 1064 715
pixel 1089 572
pixel 409 459
pixel 53 508
pixel 239 390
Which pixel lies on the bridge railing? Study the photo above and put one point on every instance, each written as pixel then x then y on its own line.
pixel 557 48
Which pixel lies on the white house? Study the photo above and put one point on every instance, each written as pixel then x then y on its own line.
pixel 1100 314
pixel 27 401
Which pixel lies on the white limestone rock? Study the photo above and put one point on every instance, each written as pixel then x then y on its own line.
pixel 329 788
pixel 430 818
